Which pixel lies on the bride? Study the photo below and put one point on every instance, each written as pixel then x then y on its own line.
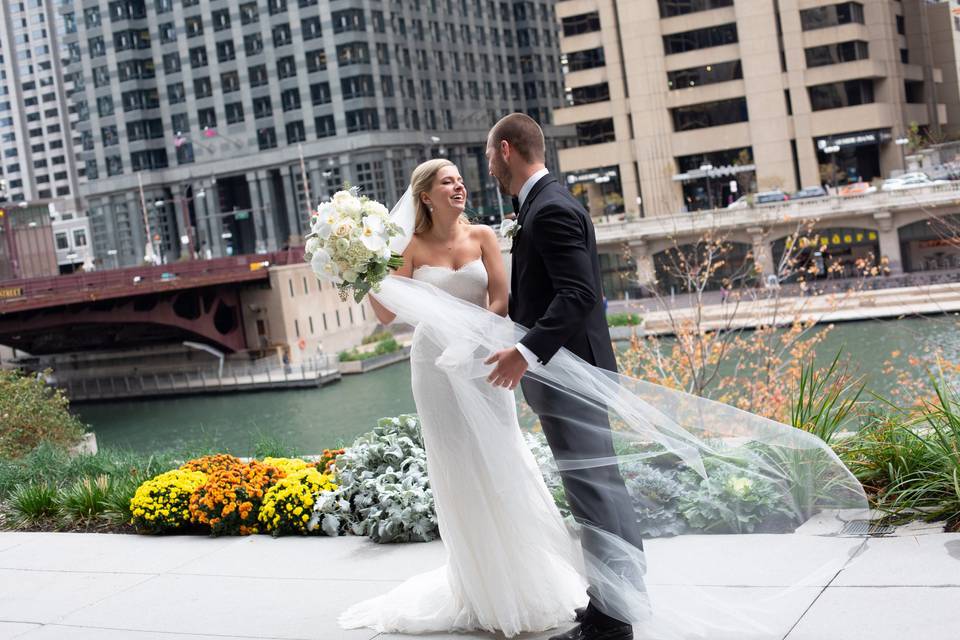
pixel 512 565
pixel 510 560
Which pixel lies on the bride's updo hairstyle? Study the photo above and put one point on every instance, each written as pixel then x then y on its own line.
pixel 421 182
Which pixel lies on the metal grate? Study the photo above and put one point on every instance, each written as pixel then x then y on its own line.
pixel 865 528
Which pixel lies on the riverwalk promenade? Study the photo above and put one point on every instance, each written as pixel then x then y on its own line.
pixel 70 586
pixel 662 316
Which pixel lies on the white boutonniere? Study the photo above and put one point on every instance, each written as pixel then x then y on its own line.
pixel 509 228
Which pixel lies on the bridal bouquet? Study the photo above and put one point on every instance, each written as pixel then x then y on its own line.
pixel 349 243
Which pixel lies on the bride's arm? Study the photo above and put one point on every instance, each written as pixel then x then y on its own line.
pixel 496 274
pixel 384 315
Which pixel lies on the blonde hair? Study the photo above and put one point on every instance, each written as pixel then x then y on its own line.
pixel 421 181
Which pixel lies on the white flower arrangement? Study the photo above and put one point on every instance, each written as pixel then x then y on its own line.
pixel 509 228
pixel 349 243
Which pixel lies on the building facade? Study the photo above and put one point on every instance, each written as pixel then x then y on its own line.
pixel 237 117
pixel 682 105
pixel 37 162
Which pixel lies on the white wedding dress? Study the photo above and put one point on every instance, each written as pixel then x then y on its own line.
pixel 512 566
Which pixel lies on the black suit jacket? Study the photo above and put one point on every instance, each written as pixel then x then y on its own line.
pixel 555 285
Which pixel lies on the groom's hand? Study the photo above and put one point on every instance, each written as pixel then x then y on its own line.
pixel 511 365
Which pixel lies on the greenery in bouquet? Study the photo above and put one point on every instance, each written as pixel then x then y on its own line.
pixel 163 503
pixel 230 500
pixel 349 243
pixel 288 504
pixel 383 490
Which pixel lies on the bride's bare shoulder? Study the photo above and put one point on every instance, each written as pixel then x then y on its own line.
pixel 482 233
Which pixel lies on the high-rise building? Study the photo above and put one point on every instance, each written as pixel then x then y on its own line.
pixel 682 105
pixel 36 149
pixel 221 108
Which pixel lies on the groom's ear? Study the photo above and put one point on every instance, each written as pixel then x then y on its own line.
pixel 505 149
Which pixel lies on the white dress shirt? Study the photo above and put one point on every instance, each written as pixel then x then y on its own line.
pixel 528 355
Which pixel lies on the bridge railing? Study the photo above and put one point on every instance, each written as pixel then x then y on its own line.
pixel 777 213
pixel 232 267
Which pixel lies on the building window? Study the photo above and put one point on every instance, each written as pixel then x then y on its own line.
pixel 79 237
pixel 670 8
pixel 258 75
pixel 234 111
pixel 583 23
pixel 230 81
pixel 225 51
pixel 252 44
pixel 831 15
pixel 310 27
pixel 198 57
pixel 362 120
pixel 595 132
pixel 709 114
pixel 320 93
pixel 176 93
pixel 171 63
pixel 700 38
pixel 286 67
pixel 266 138
pixel 63 242
pixel 589 94
pixel 353 53
pixel 104 106
pixel 325 126
pixel 249 13
pixel 202 88
pixel 101 77
pixel 295 132
pixel 290 99
pixel 276 6
pixel 837 53
pixel 840 94
pixel 207 118
pixel 707 74
pixel 348 20
pixel 262 107
pixel 913 90
pixel 316 60
pixel 281 35
pixel 114 165
pixel 357 87
pixel 290 285
pixel 587 59
pixel 194 26
pixel 221 19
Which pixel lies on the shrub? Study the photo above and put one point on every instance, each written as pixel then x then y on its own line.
pixel 31 413
pixel 32 503
pixel 656 496
pixel 390 345
pixel 729 500
pixel 164 501
pixel 377 337
pixel 383 490
pixel 270 446
pixel 623 319
pixel 287 505
pixel 230 499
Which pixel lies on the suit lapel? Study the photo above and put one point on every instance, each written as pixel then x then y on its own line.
pixel 534 192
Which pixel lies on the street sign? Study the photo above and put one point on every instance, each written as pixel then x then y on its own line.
pixel 241 215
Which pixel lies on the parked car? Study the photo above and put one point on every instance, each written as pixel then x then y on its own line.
pixel 763 197
pixel 912 180
pixel 809 192
pixel 945 171
pixel 856 189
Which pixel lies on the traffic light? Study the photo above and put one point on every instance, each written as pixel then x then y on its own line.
pixel 2 213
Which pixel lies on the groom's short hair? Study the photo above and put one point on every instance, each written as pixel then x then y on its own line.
pixel 524 135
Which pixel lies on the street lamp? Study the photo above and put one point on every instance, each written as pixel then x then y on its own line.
pixel 832 150
pixel 902 142
pixel 706 168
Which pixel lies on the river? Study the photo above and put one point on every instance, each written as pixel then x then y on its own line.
pixel 311 420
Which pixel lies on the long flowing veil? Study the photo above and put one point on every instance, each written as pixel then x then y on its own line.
pixel 741 516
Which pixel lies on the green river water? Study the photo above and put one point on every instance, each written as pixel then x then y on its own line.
pixel 311 420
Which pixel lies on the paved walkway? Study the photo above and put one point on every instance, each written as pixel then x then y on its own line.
pixel 64 586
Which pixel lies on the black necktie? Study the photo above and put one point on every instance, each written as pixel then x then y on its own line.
pixel 516 205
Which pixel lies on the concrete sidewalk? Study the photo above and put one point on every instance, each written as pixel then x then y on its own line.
pixel 115 587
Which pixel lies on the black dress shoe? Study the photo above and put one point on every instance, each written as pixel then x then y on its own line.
pixel 587 631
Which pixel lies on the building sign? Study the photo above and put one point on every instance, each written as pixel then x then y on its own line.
pixel 11 292
pixel 856 139
pixel 940 242
pixel 602 175
pixel 839 239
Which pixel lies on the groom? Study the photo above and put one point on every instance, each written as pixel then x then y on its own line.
pixel 556 291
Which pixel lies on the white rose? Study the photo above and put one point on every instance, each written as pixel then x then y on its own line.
pixel 344 227
pixel 313 244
